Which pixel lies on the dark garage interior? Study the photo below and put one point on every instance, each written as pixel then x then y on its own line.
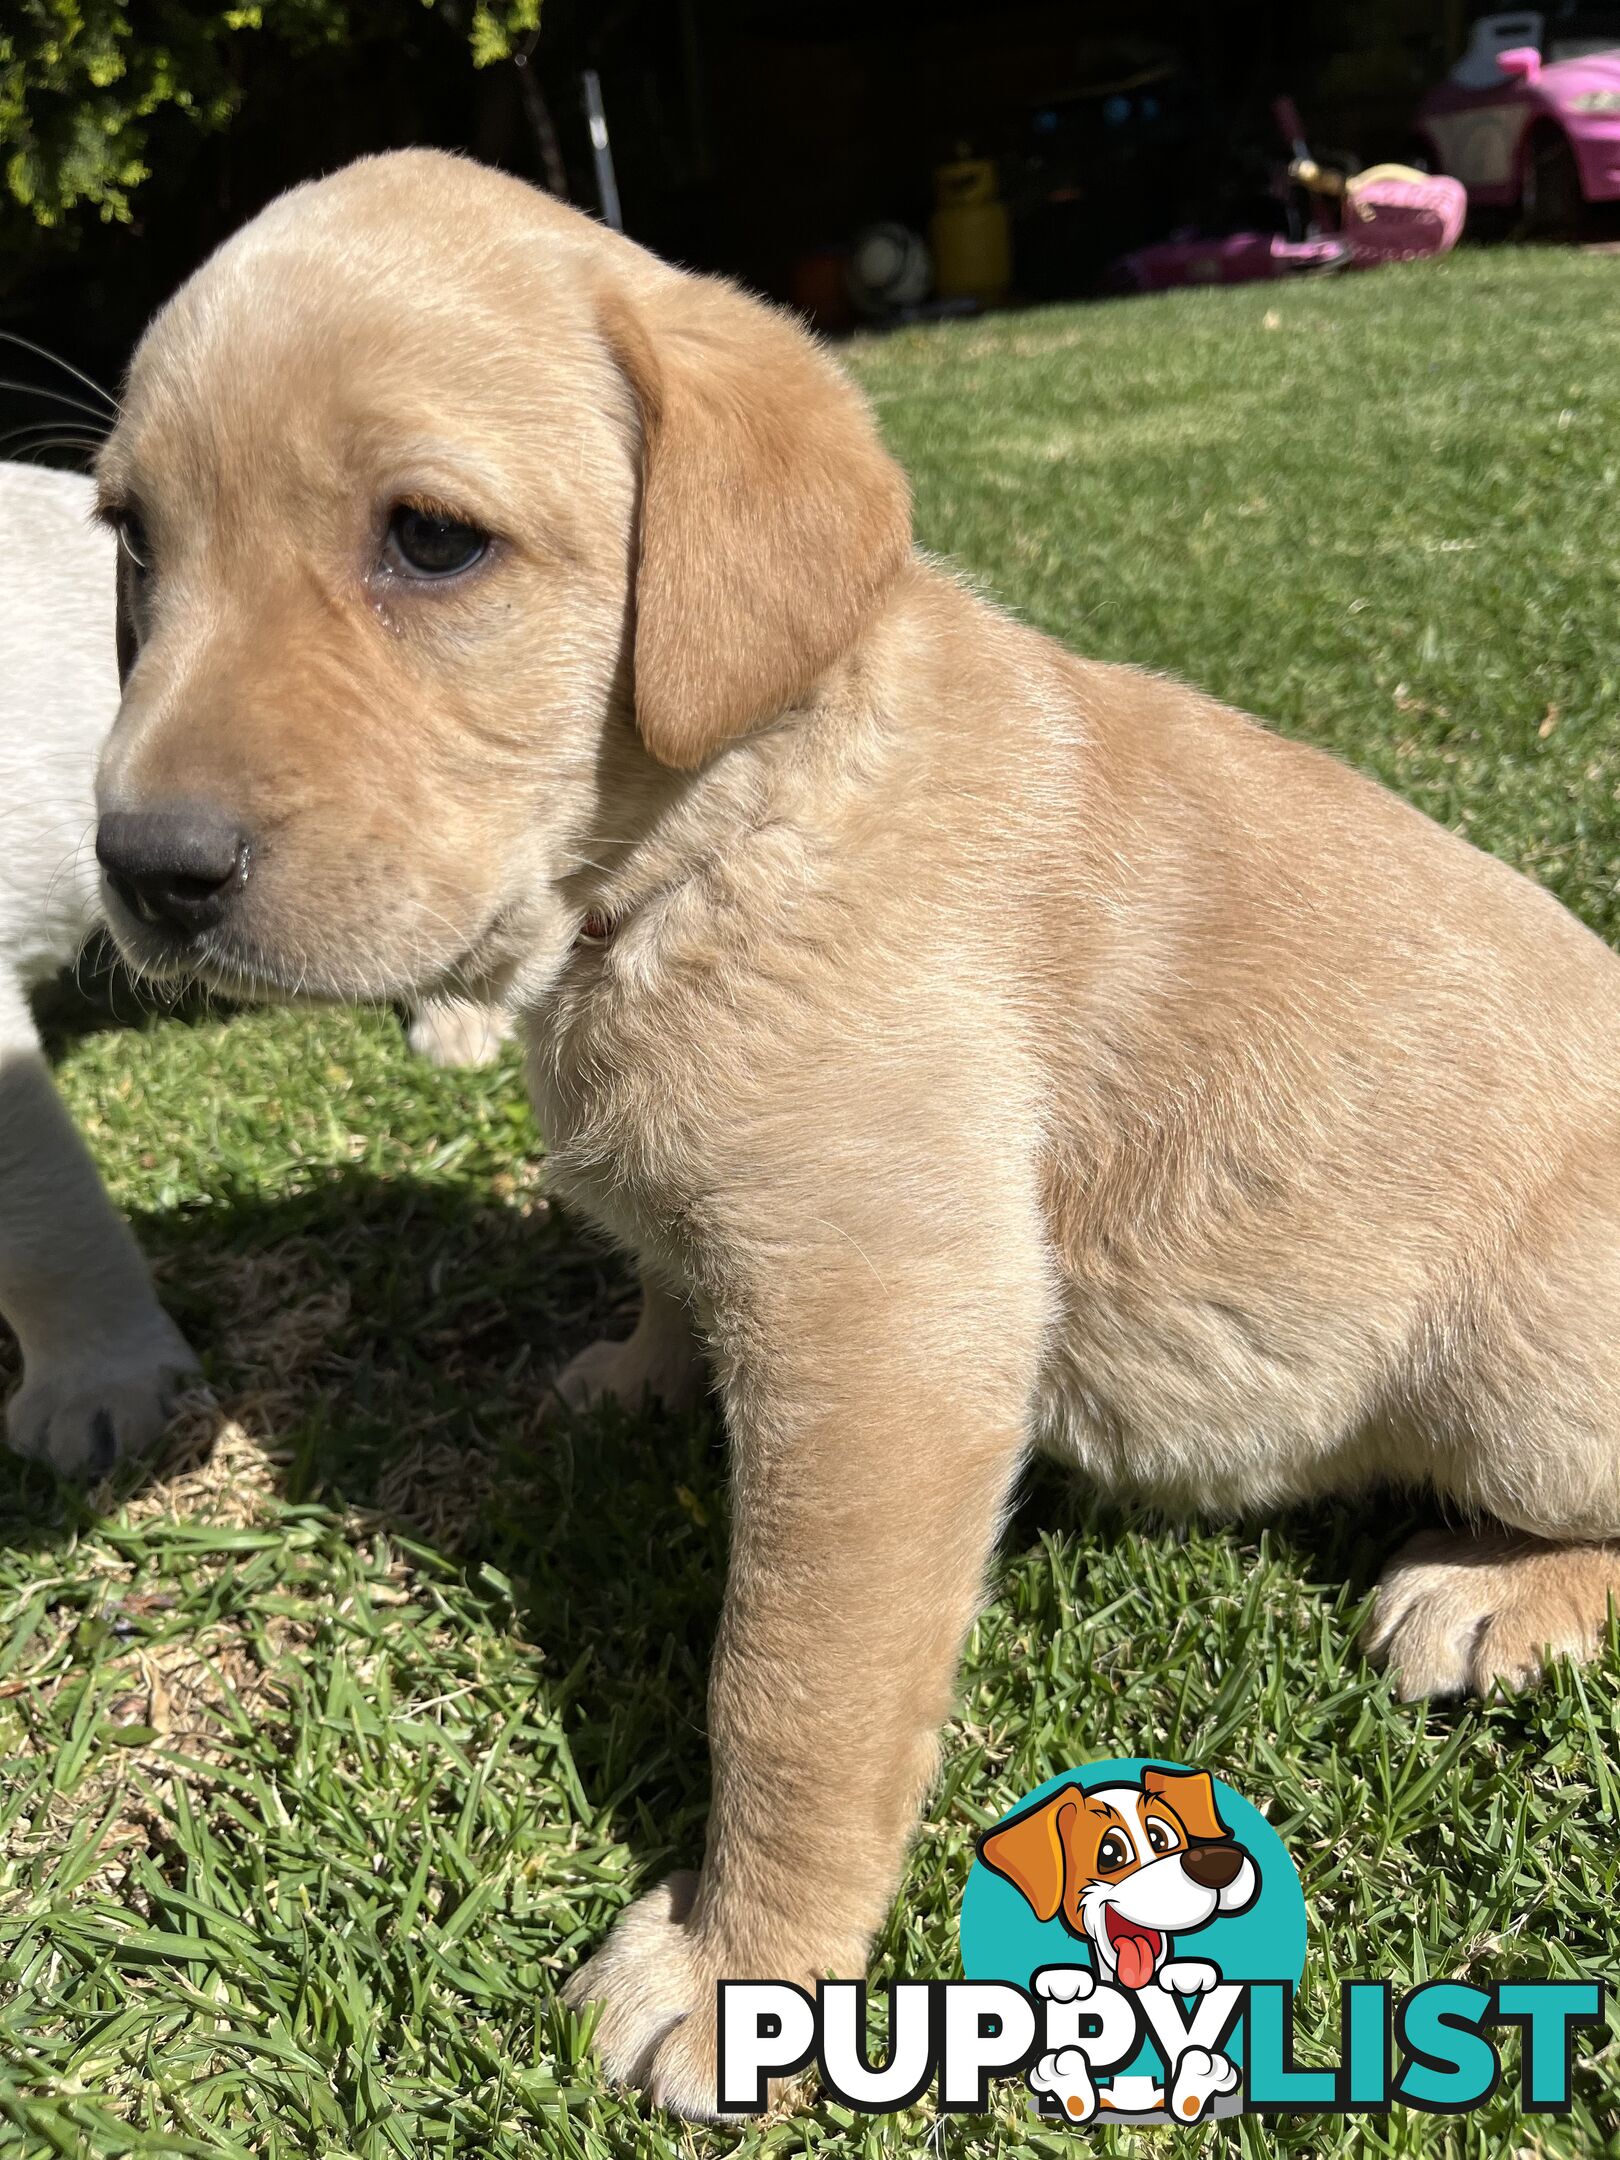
pixel 758 137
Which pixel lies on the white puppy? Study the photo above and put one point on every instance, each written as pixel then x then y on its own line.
pixel 101 1358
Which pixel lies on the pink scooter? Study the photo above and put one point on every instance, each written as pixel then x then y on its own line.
pixel 1390 213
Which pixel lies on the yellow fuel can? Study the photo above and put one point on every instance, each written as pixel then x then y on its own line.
pixel 970 233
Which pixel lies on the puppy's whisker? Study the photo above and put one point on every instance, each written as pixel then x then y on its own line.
pixel 55 426
pixel 44 352
pixel 68 866
pixel 54 397
pixel 84 449
pixel 587 862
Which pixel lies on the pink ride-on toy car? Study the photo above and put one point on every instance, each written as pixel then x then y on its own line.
pixel 1336 221
pixel 1530 122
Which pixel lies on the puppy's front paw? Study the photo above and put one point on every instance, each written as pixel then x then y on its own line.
pixel 602 1372
pixel 1468 1611
pixel 82 1414
pixel 657 1991
pixel 454 1031
pixel 632 1372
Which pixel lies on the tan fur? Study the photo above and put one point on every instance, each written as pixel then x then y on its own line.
pixel 992 1047
pixel 1456 1613
pixel 770 519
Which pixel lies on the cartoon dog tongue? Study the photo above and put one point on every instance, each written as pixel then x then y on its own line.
pixel 1136 1949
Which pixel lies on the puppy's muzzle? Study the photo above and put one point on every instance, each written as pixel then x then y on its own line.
pixel 1212 1867
pixel 177 869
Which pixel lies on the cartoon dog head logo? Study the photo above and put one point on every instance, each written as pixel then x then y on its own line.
pixel 1127 1868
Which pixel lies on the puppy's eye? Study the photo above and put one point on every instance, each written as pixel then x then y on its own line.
pixel 1113 1852
pixel 421 544
pixel 1158 1836
pixel 132 542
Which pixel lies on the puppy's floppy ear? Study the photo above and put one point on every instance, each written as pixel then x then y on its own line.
pixel 772 520
pixel 1030 1851
pixel 1190 1794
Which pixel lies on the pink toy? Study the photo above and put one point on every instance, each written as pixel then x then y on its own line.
pixel 1237 259
pixel 1526 125
pixel 1391 213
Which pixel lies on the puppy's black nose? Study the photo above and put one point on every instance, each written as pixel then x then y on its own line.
pixel 178 868
pixel 1212 1867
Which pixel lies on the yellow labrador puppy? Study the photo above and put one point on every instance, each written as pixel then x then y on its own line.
pixel 975 1046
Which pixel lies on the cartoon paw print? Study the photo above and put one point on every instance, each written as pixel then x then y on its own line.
pixel 1200 2076
pixel 1067 2077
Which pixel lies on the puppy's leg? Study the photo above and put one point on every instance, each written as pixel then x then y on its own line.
pixel 1534 1457
pixel 102 1361
pixel 660 1358
pixel 875 1433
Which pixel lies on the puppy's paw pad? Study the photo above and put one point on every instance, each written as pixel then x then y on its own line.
pixel 1187 1976
pixel 1457 1613
pixel 1065 1983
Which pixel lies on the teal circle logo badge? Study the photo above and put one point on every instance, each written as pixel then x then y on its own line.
pixel 1136 1901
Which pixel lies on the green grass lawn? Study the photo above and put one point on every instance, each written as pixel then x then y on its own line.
pixel 328 1750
